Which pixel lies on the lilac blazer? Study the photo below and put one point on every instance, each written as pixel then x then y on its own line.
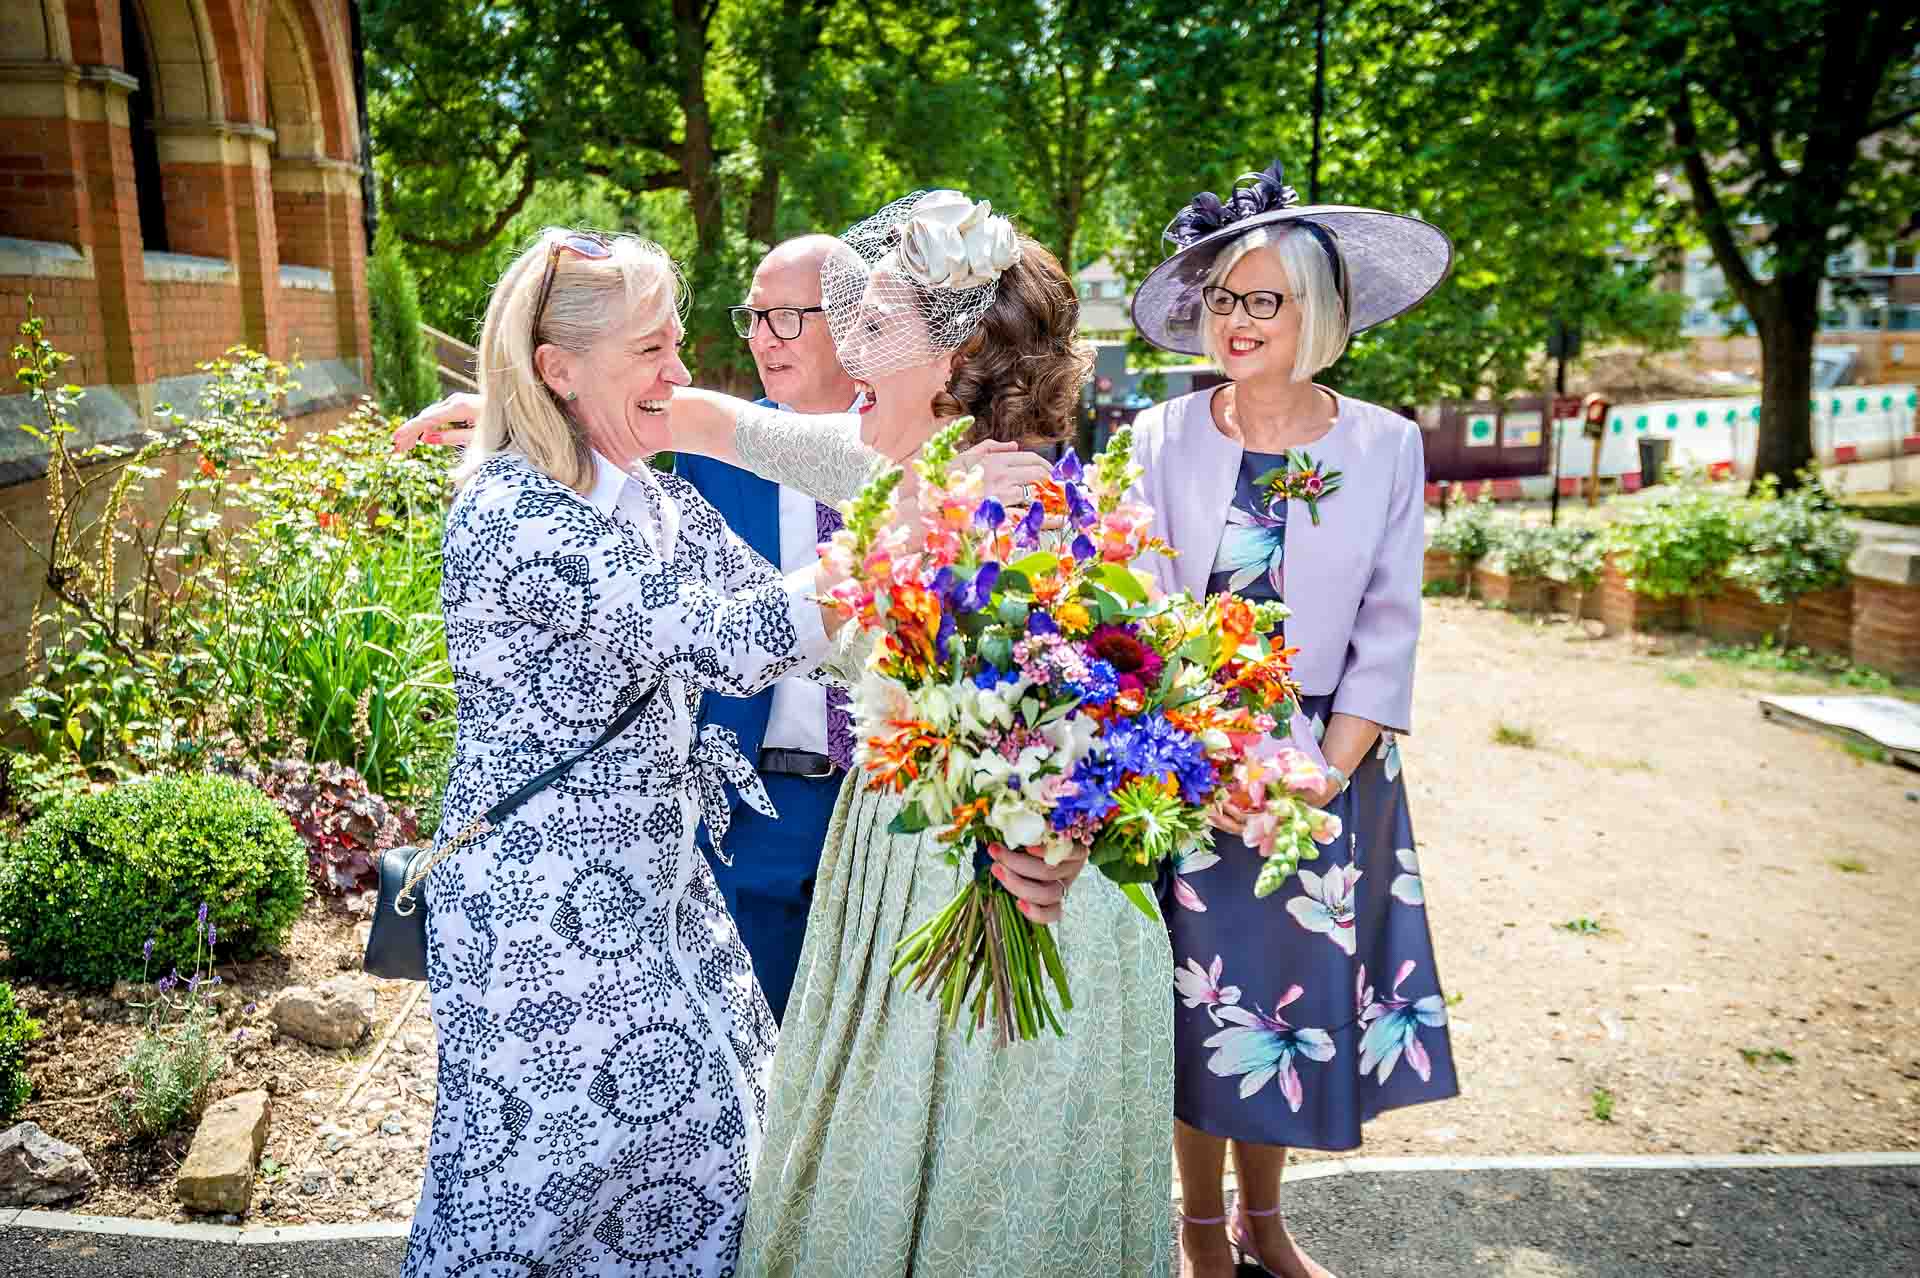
pixel 1353 582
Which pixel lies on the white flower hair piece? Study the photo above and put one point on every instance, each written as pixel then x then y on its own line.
pixel 912 283
pixel 952 242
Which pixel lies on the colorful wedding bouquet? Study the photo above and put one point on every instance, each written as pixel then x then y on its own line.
pixel 1026 691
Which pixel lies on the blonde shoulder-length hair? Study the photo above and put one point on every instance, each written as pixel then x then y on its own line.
pixel 637 282
pixel 1323 313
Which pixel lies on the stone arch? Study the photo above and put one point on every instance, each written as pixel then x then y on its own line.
pixel 187 84
pixel 329 63
pixel 293 93
pixel 35 31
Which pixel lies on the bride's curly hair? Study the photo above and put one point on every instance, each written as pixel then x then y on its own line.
pixel 1021 371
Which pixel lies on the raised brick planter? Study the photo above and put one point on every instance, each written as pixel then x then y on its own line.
pixel 1886 608
pixel 1439 566
pixel 1624 610
pixel 1519 594
pixel 1822 622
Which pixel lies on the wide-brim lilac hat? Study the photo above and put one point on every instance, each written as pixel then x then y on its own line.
pixel 1386 263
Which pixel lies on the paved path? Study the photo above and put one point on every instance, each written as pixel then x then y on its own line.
pixel 1545 1220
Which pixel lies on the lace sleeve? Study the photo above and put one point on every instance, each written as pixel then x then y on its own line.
pixel 822 456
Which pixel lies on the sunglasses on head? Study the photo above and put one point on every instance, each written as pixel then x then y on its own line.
pixel 591 245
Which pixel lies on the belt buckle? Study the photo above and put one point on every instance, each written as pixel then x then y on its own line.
pixel 826 770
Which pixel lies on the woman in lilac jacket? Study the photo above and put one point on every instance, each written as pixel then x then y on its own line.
pixel 1302 1015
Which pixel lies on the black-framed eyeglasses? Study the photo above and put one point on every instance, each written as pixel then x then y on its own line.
pixel 1261 303
pixel 591 245
pixel 785 321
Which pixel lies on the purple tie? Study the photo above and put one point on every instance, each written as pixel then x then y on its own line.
pixel 827 522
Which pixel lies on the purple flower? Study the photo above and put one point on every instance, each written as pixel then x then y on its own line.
pixel 1067 470
pixel 1039 623
pixel 962 594
pixel 990 515
pixel 167 982
pixel 203 914
pixel 1153 747
pixel 1027 531
pixel 210 935
pixel 146 951
pixel 1079 509
pixel 1082 548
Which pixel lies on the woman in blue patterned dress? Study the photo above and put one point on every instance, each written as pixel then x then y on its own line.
pixel 604 1050
pixel 1302 1015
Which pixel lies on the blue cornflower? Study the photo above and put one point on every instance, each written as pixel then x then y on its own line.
pixel 987 678
pixel 1153 747
pixel 1101 685
pixel 1094 778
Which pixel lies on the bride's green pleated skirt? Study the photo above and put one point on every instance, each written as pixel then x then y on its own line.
pixel 894 1146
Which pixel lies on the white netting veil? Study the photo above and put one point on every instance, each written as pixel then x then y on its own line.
pixel 913 281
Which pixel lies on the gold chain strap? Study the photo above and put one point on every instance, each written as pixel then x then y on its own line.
pixel 422 865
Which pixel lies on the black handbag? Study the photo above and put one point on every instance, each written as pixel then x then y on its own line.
pixel 397 944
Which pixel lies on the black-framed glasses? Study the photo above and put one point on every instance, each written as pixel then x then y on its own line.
pixel 785 321
pixel 1261 303
pixel 591 245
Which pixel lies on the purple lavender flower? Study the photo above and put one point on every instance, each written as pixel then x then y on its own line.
pixel 167 982
pixel 146 951
pixel 210 935
pixel 203 914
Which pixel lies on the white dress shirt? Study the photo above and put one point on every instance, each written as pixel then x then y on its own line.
pixel 797 719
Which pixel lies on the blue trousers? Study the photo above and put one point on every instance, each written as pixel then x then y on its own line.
pixel 769 886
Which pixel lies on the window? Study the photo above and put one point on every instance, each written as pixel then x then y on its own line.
pixel 146 148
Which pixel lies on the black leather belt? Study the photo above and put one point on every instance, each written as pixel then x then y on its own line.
pixel 797 763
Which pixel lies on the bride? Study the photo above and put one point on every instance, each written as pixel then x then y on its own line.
pixel 893 1146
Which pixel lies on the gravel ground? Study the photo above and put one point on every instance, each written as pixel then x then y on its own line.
pixel 1739 976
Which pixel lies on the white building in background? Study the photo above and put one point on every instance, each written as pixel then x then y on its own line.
pixel 1104 297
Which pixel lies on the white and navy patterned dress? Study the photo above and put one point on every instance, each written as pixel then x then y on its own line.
pixel 604 1049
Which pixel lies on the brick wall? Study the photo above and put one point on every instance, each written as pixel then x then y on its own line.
pixel 307 319
pixel 195 323
pixel 1624 610
pixel 73 324
pixel 1886 627
pixel 1823 622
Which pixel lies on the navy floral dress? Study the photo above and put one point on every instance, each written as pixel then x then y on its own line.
pixel 1301 1016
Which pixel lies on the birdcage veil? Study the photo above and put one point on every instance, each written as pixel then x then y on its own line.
pixel 913 281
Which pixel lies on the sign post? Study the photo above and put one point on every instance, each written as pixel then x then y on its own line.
pixel 1563 343
pixel 1594 424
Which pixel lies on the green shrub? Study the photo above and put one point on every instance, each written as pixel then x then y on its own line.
pixel 1576 556
pixel 1678 547
pixel 1527 549
pixel 96 878
pixel 1467 534
pixel 17 1029
pixel 1797 544
pixel 403 367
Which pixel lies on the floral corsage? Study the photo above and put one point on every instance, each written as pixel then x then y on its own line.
pixel 1302 479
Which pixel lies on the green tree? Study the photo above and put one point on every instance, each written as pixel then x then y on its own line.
pixel 1783 130
pixel 403 365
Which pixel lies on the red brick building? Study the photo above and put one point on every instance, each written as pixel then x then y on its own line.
pixel 177 176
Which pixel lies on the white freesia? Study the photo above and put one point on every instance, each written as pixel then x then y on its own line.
pixel 1022 826
pixel 1071 738
pixel 952 242
pixel 937 706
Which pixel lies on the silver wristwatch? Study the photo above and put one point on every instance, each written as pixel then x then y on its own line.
pixel 1340 779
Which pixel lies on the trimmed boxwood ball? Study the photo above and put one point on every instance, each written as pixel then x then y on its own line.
pixel 93 880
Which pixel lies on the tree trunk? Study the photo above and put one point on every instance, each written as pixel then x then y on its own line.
pixel 696 152
pixel 1787 324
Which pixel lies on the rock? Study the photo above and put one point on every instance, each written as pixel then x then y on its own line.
pixel 338 1014
pixel 218 1173
pixel 38 1171
pixel 393 1126
pixel 314 1181
pixel 124 991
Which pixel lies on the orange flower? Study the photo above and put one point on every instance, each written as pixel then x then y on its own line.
pixel 1073 617
pixel 1052 495
pixel 893 761
pixel 963 817
pixel 1236 621
pixel 207 467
